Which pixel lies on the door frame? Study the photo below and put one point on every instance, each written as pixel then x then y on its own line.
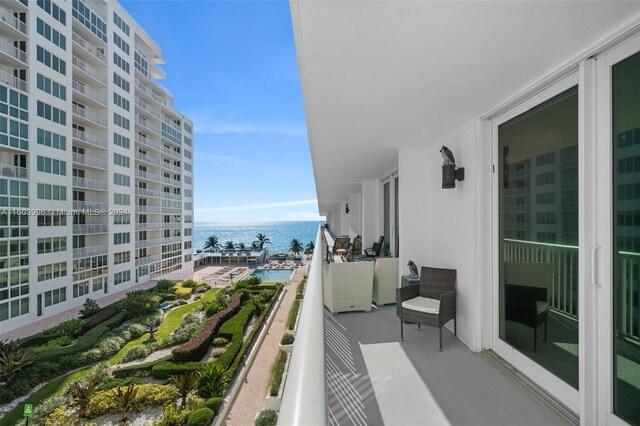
pixel 390 179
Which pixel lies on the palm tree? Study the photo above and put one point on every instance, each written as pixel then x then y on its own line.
pixel 255 245
pixel 212 244
pixel 295 247
pixel 229 245
pixel 308 250
pixel 241 246
pixel 125 401
pixel 213 380
pixel 262 240
pixel 185 383
pixel 13 360
pixel 82 394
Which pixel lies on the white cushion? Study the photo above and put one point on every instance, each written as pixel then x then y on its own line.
pixel 422 304
pixel 541 307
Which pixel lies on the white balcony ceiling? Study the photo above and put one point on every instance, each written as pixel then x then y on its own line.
pixel 377 75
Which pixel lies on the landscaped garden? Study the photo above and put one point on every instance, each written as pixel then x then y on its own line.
pixel 163 356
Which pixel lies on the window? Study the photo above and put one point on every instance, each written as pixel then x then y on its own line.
pixel 52 113
pixel 187 153
pixel 90 267
pixel 50 34
pixel 119 120
pixel 52 9
pixel 52 192
pixel 187 180
pixel 52 220
pixel 122 219
pixel 121 277
pixel 188 193
pixel 121 199
pixel 80 289
pixel 171 133
pixel 121 62
pixel 120 160
pixel 188 128
pixel 51 87
pixel 120 82
pixel 51 271
pixel 120 101
pixel 93 22
pixel 56 296
pixel 187 244
pixel 52 245
pixel 14 193
pixel 122 257
pixel 187 167
pixel 546 198
pixel 188 232
pixel 14 133
pixel 51 60
pixel 122 180
pixel 51 165
pixel 141 63
pixel 545 159
pixel 121 43
pixel 121 238
pixel 14 103
pixel 122 141
pixel 120 23
pixel 546 178
pixel 188 257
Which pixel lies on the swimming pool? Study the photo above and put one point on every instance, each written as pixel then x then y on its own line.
pixel 272 275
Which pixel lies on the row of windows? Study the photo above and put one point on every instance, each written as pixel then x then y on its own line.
pixel 51 87
pixel 14 103
pixel 51 165
pixel 18 307
pixel 121 199
pixel 119 120
pixel 545 159
pixel 122 180
pixel 52 244
pixel 14 134
pixel 51 271
pixel 14 193
pixel 121 238
pixel 546 178
pixel 52 113
pixel 120 160
pixel 188 193
pixel 122 257
pixel 90 20
pixel 53 297
pixel 51 34
pixel 187 153
pixel 121 277
pixel 120 23
pixel 188 128
pixel 52 192
pixel 52 220
pixel 14 278
pixel 187 167
pixel 188 180
pixel 187 244
pixel 630 191
pixel 188 232
pixel 171 133
pixel 52 140
pixel 122 219
pixel 80 289
pixel 628 138
pixel 120 101
pixel 545 218
pixel 90 267
pixel 121 62
pixel 630 218
pixel 121 43
pixel 546 198
pixel 51 60
pixel 629 165
pixel 140 63
pixel 121 82
pixel 52 9
pixel 14 292
pixel 19 225
pixel 14 248
pixel 122 141
pixel 187 141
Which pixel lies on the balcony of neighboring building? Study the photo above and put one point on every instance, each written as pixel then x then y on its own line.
pixel 13 81
pixel 87 116
pixel 146 108
pixel 89 159
pixel 11 25
pixel 88 179
pixel 91 139
pixel 13 52
pixel 13 165
pixel 145 124
pixel 90 228
pixel 147 91
pixel 90 251
pixel 87 51
pixel 88 95
pixel 82 70
pixel 154 177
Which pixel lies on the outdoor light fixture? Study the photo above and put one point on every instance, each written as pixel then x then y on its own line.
pixel 450 173
pixel 346 208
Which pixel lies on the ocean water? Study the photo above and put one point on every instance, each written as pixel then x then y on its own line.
pixel 279 233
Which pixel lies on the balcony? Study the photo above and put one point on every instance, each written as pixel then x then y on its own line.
pixel 93 51
pixel 157 242
pixel 15 55
pixel 97 185
pixel 14 82
pixel 89 161
pixel 7 170
pixel 89 116
pixel 90 71
pixel 12 22
pixel 151 226
pixel 90 251
pixel 145 106
pixel 148 91
pixel 148 209
pixel 156 178
pixel 147 125
pixel 353 369
pixel 90 138
pixel 157 162
pixel 88 229
pixel 149 259
pixel 89 93
pixel 144 192
pixel 90 205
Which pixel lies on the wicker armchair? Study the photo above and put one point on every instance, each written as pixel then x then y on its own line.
pixel 432 302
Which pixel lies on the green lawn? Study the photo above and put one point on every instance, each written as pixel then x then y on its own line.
pixel 170 323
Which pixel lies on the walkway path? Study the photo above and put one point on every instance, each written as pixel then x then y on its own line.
pixel 250 399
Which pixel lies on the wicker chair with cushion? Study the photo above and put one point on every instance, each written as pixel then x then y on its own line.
pixel 340 243
pixel 432 302
pixel 356 247
pixel 375 250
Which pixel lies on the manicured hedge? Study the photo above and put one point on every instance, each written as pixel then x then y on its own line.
pixel 200 417
pixel 38 339
pixel 142 369
pixel 196 348
pixel 84 342
pixel 234 331
pixel 105 313
pixel 166 369
pixel 183 292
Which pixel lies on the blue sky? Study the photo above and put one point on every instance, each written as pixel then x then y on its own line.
pixel 232 68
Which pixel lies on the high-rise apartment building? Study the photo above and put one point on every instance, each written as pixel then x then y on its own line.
pixel 96 170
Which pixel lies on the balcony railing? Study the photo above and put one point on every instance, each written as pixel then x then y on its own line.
pixel 158 162
pixel 148 209
pixel 9 49
pixel 87 229
pixel 89 92
pixel 89 161
pixel 89 70
pixel 157 242
pixel 90 138
pixel 14 82
pixel 144 192
pixel 304 400
pixel 147 125
pixel 151 226
pixel 89 205
pixel 149 259
pixel 11 20
pixel 98 185
pixel 89 116
pixel 140 85
pixel 7 170
pixel 145 106
pixel 157 178
pixel 90 251
pixel 89 47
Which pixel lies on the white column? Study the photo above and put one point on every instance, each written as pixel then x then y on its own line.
pixel 355 214
pixel 344 218
pixel 370 205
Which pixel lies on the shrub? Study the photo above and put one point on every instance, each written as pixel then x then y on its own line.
pixel 52 344
pixel 212 380
pixel 293 314
pixel 196 348
pixel 89 308
pixel 180 302
pixel 13 359
pixel 163 286
pixel 38 339
pixel 287 339
pixel 168 297
pixel 71 328
pixel 189 284
pixel 234 329
pixel 220 341
pixel 200 417
pixel 183 292
pixel 178 416
pixel 277 371
pixel 212 308
pixel 300 288
pixel 115 382
pixel 138 303
pixel 214 404
pixel 166 369
pixel 46 407
pixel 143 369
pixel 105 314
pixel 103 402
pixel 267 418
pixel 137 352
pixel 201 289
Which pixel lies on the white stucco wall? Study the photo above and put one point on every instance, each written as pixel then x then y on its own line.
pixel 355 214
pixel 370 212
pixel 439 226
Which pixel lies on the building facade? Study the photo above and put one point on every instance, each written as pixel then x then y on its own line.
pixel 96 169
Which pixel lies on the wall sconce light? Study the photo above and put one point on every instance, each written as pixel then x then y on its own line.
pixel 450 173
pixel 346 208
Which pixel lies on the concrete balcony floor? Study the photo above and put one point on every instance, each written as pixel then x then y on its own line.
pixel 374 379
